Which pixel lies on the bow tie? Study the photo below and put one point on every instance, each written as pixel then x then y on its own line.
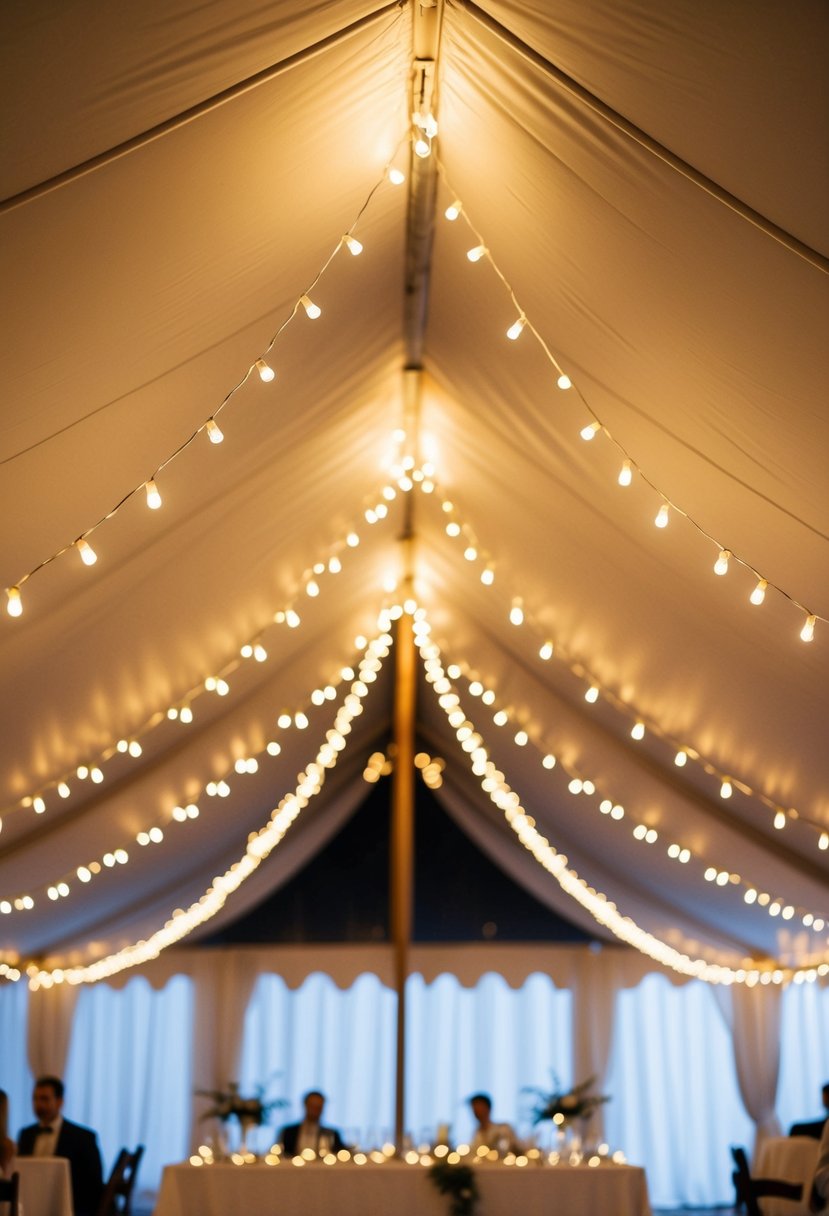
pixel 43 1131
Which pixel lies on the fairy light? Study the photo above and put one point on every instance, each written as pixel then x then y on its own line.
pixel 396 176
pixel 546 651
pixel 661 520
pixel 726 789
pixel 638 731
pixel 516 612
pixel 453 210
pixel 780 821
pixel 515 329
pixel 88 555
pixel 807 633
pixel 564 382
pixel 592 694
pixel 14 604
pixel 759 593
pixel 312 310
pixel 476 253
pixel 354 247
pixel 590 431
pixel 266 372
pixel 153 495
pixel 213 431
pixel 625 474
pixel 721 564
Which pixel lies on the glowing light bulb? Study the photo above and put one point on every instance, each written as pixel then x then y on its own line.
pixel 546 651
pixel 721 564
pixel 453 210
pixel 153 496
pixel 292 619
pixel 185 714
pixel 477 253
pixel 396 177
pixel 516 612
pixel 780 820
pixel 823 843
pixel 266 372
pixel 422 147
pixel 759 593
pixel 14 604
pixel 354 247
pixel 661 520
pixel 312 588
pixel 681 759
pixel 625 474
pixel 514 330
pixel 313 310
pixel 591 431
pixel 564 382
pixel 488 576
pixel 726 789
pixel 638 731
pixel 808 630
pixel 88 555
pixel 592 694
pixel 214 432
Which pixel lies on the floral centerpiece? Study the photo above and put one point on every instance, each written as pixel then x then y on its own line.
pixel 564 1106
pixel 229 1104
pixel 459 1183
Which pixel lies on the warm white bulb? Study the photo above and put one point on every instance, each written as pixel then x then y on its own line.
pixel 681 759
pixel 14 604
pixel 514 330
pixel 214 432
pixel 625 474
pixel 564 381
pixel 516 613
pixel 312 588
pixel 422 147
pixel 266 372
pixel 759 593
pixel 477 253
pixel 313 310
pixel 453 210
pixel 153 496
pixel 823 842
pixel 592 694
pixel 808 630
pixel 780 820
pixel 355 247
pixel 721 564
pixel 488 576
pixel 661 520
pixel 590 431
pixel 546 651
pixel 88 555
pixel 396 177
pixel 638 730
pixel 185 714
pixel 726 789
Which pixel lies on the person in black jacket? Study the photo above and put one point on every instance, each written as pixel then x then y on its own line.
pixel 54 1136
pixel 310 1133
pixel 814 1127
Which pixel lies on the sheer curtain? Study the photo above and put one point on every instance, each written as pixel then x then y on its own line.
pixel 15 1075
pixel 804 1053
pixel 129 1071
pixel 675 1105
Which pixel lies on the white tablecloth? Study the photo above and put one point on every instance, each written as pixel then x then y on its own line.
pixel 792 1158
pixel 45 1188
pixel 395 1189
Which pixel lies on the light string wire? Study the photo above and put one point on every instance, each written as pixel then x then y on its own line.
pixel 629 464
pixel 260 845
pixel 458 528
pixel 259 365
pixel 526 731
pixel 602 909
pixel 153 833
pixel 375 509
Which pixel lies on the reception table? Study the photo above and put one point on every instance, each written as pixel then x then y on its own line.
pixel 45 1188
pixel 792 1158
pixel 396 1189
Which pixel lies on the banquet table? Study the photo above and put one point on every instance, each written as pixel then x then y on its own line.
pixel 396 1189
pixel 45 1188
pixel 792 1158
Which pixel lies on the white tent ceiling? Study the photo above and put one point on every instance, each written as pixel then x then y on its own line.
pixel 650 181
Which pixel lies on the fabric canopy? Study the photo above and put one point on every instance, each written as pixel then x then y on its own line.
pixel 649 185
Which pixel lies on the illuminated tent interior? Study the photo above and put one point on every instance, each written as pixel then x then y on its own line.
pixel 646 186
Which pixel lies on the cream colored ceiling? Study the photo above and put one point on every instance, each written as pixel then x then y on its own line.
pixel 652 183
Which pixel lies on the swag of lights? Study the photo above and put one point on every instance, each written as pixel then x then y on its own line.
pixel 600 907
pixel 260 844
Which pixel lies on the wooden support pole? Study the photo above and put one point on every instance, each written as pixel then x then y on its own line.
pixel 402 846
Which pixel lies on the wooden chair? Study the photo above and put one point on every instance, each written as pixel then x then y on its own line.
pixel 751 1190
pixel 116 1198
pixel 10 1194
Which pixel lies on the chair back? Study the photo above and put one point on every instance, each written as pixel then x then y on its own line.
pixel 10 1193
pixel 116 1199
pixel 750 1191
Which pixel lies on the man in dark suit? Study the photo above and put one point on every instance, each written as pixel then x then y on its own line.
pixel 814 1127
pixel 54 1136
pixel 310 1133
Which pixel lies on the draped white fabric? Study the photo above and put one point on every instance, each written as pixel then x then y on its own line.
pixel 675 1107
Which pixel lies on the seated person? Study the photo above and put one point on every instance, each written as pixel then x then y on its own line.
pixel 7 1146
pixel 820 1185
pixel 813 1128
pixel 498 1136
pixel 310 1133
pixel 54 1136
